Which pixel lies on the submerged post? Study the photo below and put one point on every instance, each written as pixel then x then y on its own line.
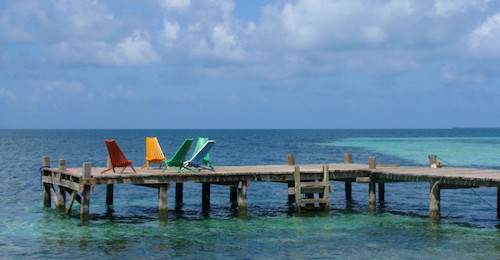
pixel 61 193
pixel 371 193
pixel 85 201
pixel 179 198
pixel 242 197
pixel 233 195
pixel 205 196
pixel 163 201
pixel 435 200
pixel 109 188
pixel 46 186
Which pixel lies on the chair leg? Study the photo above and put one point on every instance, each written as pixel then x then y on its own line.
pixel 123 169
pixel 133 168
pixel 109 169
pixel 178 169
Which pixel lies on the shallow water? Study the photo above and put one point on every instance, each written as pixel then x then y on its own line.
pixel 399 229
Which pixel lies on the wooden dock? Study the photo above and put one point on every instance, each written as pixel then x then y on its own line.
pixel 78 182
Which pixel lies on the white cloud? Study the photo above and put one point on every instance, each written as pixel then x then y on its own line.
pixel 134 49
pixel 484 40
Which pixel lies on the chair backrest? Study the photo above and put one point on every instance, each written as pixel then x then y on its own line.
pixel 153 149
pixel 199 144
pixel 197 158
pixel 115 153
pixel 180 155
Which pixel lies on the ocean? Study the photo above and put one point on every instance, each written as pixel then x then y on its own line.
pixel 400 228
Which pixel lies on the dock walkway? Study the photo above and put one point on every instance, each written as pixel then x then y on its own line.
pixel 78 182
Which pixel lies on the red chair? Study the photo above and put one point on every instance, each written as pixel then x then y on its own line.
pixel 117 157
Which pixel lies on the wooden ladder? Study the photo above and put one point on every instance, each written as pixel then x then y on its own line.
pixel 310 188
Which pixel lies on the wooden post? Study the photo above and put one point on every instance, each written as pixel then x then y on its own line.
pixel 110 189
pixel 46 186
pixel 347 157
pixel 348 184
pixel 242 197
pixel 61 193
pixel 233 194
pixel 85 201
pixel 372 162
pixel 290 159
pixel 381 192
pixel 205 196
pixel 179 191
pixel 326 190
pixel 371 193
pixel 498 202
pixel 296 177
pixel 163 201
pixel 432 159
pixel 435 200
pixel 348 190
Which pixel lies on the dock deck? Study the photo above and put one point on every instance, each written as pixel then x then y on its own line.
pixel 238 178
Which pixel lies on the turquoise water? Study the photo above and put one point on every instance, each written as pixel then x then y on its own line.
pixel 399 229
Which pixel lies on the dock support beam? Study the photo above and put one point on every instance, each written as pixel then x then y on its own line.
pixel 179 194
pixel 435 200
pixel 61 193
pixel 46 186
pixel 163 201
pixel 205 196
pixel 242 197
pixel 85 201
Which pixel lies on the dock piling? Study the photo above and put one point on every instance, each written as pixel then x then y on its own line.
pixel 348 184
pixel 179 194
pixel 46 186
pixel 85 201
pixel 290 160
pixel 205 196
pixel 242 197
pixel 163 201
pixel 435 200
pixel 61 193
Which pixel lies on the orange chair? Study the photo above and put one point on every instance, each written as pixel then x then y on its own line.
pixel 154 154
pixel 117 157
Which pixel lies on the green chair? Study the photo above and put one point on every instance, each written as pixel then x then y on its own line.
pixel 194 164
pixel 202 141
pixel 177 161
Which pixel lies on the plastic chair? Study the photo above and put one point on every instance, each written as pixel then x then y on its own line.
pixel 177 161
pixel 154 153
pixel 116 156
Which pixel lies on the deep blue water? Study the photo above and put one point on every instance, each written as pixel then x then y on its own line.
pixel 399 229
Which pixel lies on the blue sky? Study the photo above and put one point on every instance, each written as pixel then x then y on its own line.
pixel 249 64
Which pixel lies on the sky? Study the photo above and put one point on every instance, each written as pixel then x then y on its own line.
pixel 176 64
